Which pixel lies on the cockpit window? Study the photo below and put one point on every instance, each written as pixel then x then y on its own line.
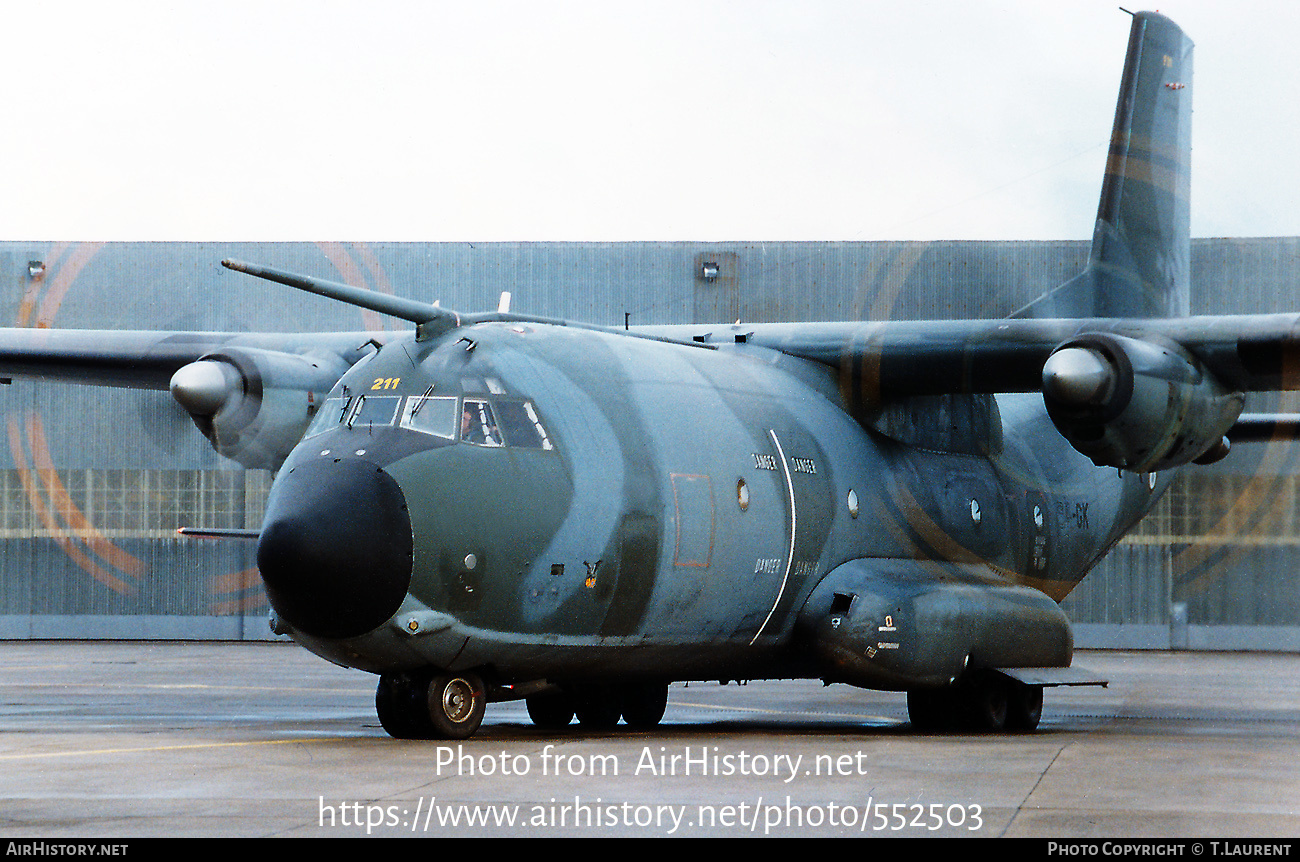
pixel 482 422
pixel 521 426
pixel 330 414
pixel 478 424
pixel 436 416
pixel 374 410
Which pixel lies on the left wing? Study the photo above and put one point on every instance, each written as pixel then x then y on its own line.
pixel 251 394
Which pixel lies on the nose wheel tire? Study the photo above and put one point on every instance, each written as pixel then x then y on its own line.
pixel 400 703
pixel 456 704
pixel 423 705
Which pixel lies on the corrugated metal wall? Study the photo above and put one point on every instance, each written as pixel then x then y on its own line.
pixel 94 481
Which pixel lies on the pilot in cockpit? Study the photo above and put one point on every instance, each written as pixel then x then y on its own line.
pixel 477 425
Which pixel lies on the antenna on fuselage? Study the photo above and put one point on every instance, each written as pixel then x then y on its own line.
pixel 428 318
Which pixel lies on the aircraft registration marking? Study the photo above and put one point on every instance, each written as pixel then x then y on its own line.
pixel 764 461
pixel 386 383
pixel 1079 516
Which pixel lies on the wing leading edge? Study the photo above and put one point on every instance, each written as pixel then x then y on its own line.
pixel 896 359
pixel 147 360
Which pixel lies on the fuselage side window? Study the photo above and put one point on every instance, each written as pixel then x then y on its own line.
pixel 330 414
pixel 478 424
pixel 428 415
pixel 521 426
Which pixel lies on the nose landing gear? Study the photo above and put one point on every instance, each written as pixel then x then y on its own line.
pixel 430 705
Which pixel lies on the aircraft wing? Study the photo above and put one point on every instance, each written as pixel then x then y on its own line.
pixel 897 358
pixel 1139 394
pixel 892 359
pixel 251 394
pixel 143 359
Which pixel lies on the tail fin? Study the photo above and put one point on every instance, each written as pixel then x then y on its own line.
pixel 1141 245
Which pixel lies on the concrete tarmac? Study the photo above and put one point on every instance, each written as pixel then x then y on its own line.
pixel 117 740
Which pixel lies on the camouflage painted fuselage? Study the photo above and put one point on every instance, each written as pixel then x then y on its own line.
pixel 671 514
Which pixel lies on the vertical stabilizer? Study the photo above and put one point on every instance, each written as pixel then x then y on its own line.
pixel 1141 244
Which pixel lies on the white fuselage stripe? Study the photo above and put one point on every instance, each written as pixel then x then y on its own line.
pixel 789 560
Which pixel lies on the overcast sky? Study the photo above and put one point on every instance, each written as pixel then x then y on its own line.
pixel 437 121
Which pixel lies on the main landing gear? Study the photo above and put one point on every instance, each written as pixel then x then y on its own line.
pixel 599 707
pixel 430 705
pixel 986 702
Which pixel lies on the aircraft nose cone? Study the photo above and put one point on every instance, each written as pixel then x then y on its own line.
pixel 335 550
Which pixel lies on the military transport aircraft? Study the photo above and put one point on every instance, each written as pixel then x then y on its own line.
pixel 497 506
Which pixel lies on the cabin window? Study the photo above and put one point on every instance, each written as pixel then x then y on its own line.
pixel 478 424
pixel 372 410
pixel 429 415
pixel 521 426
pixel 330 414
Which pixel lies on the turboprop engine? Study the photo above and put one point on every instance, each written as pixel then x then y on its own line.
pixel 1137 405
pixel 254 405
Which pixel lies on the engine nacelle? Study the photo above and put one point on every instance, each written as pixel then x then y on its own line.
pixel 1137 405
pixel 254 405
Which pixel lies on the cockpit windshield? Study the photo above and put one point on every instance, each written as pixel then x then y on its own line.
pixel 436 416
pixel 374 410
pixel 480 421
pixel 330 414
